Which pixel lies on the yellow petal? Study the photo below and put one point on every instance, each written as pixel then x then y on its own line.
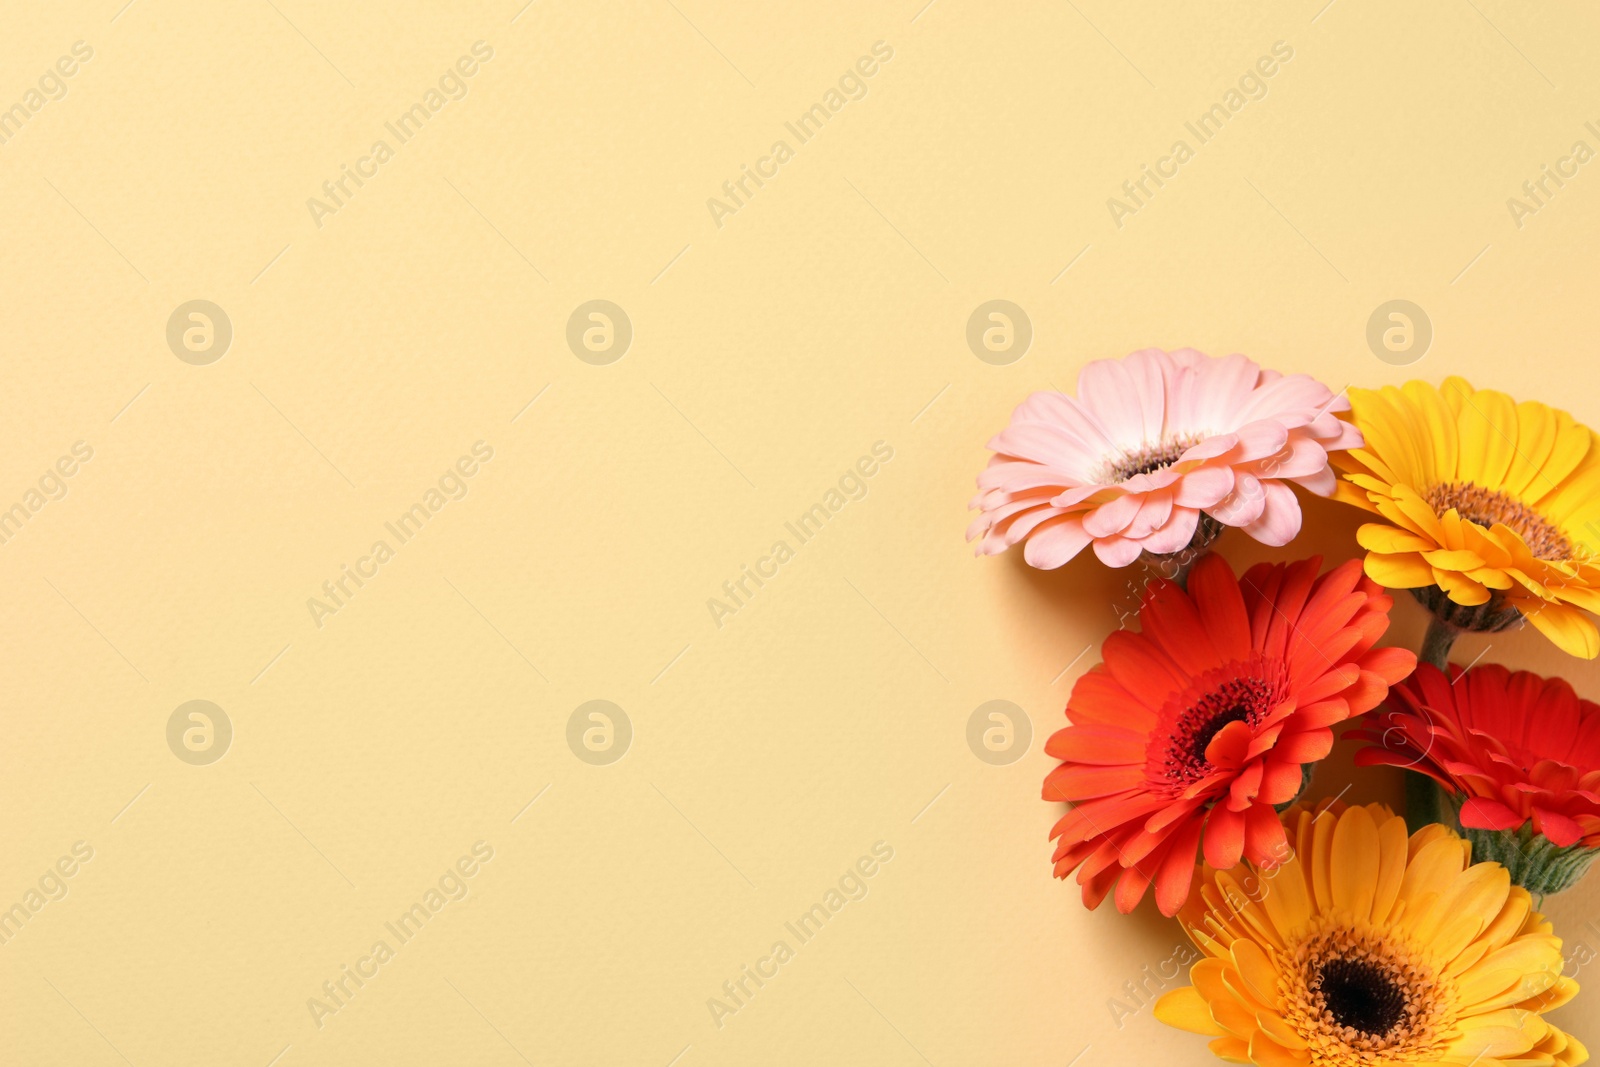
pixel 1525 967
pixel 1568 629
pixel 1474 434
pixel 1536 437
pixel 1481 984
pixel 1322 829
pixel 1391 868
pixel 1277 1027
pixel 1257 970
pixel 1462 590
pixel 1469 956
pixel 1499 1033
pixel 1231 1049
pixel 1232 1015
pixel 1439 424
pixel 1499 417
pixel 1389 540
pixel 1560 993
pixel 1386 426
pixel 1427 836
pixel 1398 572
pixel 1516 912
pixel 1453 389
pixel 1480 893
pixel 1433 869
pixel 1187 1010
pixel 1268 1053
pixel 1576 492
pixel 1288 899
pixel 1347 492
pixel 1460 559
pixel 1573 453
pixel 1493 578
pixel 1353 877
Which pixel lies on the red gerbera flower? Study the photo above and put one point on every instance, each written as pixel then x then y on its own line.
pixel 1195 727
pixel 1520 747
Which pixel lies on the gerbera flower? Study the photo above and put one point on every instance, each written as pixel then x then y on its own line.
pixel 1367 948
pixel 1519 753
pixel 1195 727
pixel 1492 507
pixel 1151 442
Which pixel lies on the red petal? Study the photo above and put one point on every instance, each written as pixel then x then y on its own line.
pixel 1265 843
pixel 1097 697
pixel 1481 813
pixel 1097 744
pixel 1224 838
pixel 1130 889
pixel 1095 890
pixel 1325 712
pixel 1306 747
pixel 1229 746
pixel 1557 827
pixel 1391 664
pixel 1216 594
pixel 1242 793
pixel 1280 782
pixel 1141 668
pixel 1177 870
pixel 1169 618
pixel 1079 781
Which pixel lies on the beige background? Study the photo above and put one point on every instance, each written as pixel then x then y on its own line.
pixel 769 354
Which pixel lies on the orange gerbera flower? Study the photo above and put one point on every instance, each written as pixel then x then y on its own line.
pixel 1366 948
pixel 1195 727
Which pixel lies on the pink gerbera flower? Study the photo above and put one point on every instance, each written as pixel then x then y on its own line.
pixel 1152 443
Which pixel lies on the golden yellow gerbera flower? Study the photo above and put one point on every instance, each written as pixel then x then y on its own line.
pixel 1368 948
pixel 1493 507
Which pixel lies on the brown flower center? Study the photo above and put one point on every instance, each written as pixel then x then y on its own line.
pixel 1362 995
pixel 1487 507
pixel 1149 459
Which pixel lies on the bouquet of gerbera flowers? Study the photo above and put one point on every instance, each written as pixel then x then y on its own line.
pixel 1329 935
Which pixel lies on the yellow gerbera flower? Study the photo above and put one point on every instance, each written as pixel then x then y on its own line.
pixel 1366 947
pixel 1493 507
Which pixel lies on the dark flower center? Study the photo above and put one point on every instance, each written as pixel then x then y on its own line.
pixel 1361 995
pixel 1149 459
pixel 1487 507
pixel 1238 692
pixel 1203 736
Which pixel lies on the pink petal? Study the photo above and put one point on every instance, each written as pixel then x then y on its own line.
pixel 1055 543
pixel 1176 534
pixel 1113 517
pixel 1280 517
pixel 1243 506
pixel 1116 551
pixel 1205 487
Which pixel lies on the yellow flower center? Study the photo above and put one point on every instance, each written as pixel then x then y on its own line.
pixel 1486 507
pixel 1362 996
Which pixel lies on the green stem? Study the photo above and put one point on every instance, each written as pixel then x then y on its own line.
pixel 1424 804
pixel 1436 643
pixel 1423 801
